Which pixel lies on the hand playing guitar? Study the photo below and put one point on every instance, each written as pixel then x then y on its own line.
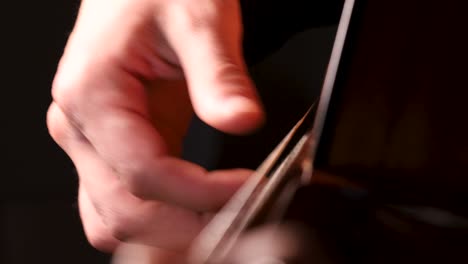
pixel 131 76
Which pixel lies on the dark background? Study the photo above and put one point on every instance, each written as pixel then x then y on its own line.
pixel 38 213
pixel 39 220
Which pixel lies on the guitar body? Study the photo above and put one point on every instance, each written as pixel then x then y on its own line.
pixel 390 182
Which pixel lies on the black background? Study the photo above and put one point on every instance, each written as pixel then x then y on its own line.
pixel 38 212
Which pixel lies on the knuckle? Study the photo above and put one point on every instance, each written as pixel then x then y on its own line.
pixel 101 240
pixel 55 124
pixel 72 88
pixel 95 230
pixel 231 73
pixel 73 81
pixel 59 127
pixel 113 221
pixel 121 226
pixel 65 88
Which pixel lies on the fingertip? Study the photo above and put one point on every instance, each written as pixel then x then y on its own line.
pixel 240 115
pixel 235 115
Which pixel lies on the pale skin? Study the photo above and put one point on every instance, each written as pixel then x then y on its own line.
pixel 132 74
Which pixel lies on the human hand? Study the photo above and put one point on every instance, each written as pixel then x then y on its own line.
pixel 269 243
pixel 123 96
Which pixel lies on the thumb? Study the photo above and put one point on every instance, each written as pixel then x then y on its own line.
pixel 206 35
